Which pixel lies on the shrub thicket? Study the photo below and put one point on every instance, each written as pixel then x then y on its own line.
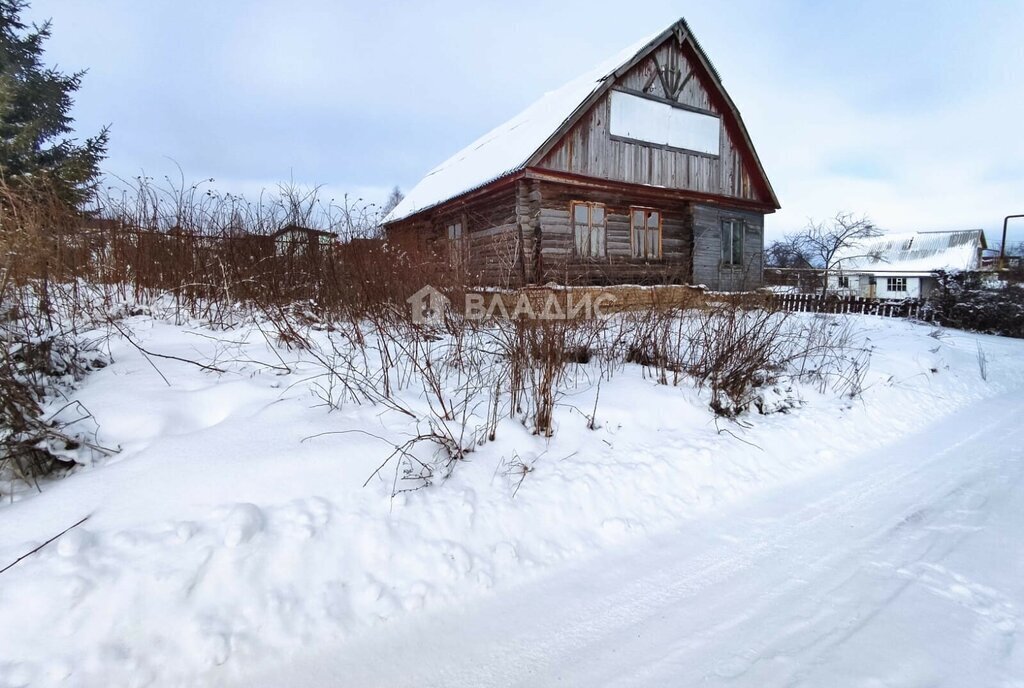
pixel 970 301
pixel 215 258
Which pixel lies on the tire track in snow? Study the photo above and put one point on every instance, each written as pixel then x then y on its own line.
pixel 761 594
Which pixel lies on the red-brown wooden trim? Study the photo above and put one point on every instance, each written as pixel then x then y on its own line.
pixel 590 226
pixel 734 123
pixel 642 190
pixel 632 230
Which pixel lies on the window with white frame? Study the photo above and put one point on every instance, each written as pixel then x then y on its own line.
pixel 844 281
pixel 640 118
pixel 896 283
pixel 732 242
pixel 456 242
pixel 588 227
pixel 645 231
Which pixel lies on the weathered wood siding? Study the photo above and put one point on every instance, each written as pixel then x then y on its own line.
pixel 494 249
pixel 708 268
pixel 588 148
pixel 519 231
pixel 499 231
pixel 528 209
pixel 557 260
pixel 523 234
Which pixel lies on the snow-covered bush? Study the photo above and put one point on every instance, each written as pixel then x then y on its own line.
pixel 968 301
pixel 738 349
pixel 42 350
pixel 33 368
pixel 454 380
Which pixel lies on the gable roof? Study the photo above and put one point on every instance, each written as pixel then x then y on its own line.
pixel 915 253
pixel 293 228
pixel 525 138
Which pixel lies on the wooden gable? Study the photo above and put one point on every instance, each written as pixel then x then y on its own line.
pixel 676 72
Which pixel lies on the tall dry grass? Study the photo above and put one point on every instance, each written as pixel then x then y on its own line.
pixel 216 258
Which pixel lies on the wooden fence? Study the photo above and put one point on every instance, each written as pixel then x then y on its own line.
pixel 833 303
pixel 613 299
pixel 636 298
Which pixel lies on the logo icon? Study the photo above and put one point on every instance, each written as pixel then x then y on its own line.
pixel 428 306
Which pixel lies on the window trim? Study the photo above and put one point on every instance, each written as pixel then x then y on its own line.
pixel 890 281
pixel 590 205
pixel 457 247
pixel 732 222
pixel 673 104
pixel 646 210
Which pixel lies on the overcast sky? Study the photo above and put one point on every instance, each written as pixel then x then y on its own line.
pixel 909 112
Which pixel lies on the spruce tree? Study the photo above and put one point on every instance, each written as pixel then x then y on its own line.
pixel 35 120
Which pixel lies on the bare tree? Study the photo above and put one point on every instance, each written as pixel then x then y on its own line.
pixel 299 203
pixel 826 243
pixel 785 254
pixel 394 198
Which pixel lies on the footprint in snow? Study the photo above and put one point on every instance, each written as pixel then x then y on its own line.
pixel 243 523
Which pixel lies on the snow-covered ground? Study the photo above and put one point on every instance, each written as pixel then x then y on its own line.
pixel 231 539
pixel 902 568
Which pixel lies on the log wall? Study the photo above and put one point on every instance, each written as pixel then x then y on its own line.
pixel 557 259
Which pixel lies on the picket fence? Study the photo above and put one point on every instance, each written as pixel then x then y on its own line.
pixel 833 303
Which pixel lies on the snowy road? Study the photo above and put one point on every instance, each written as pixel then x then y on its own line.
pixel 905 568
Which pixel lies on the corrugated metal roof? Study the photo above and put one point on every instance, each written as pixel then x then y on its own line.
pixel 915 252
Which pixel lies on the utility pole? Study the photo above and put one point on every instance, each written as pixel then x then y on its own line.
pixel 1002 246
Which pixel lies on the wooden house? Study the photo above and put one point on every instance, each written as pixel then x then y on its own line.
pixel 640 171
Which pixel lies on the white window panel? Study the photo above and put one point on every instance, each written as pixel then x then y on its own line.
pixel 648 120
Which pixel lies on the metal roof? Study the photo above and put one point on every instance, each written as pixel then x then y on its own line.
pixel 915 252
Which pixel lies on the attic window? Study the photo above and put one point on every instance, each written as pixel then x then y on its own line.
pixel 652 121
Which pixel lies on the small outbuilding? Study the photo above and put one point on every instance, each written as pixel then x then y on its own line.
pixel 295 240
pixel 898 266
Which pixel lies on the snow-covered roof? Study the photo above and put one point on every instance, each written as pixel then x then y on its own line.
pixel 915 252
pixel 507 148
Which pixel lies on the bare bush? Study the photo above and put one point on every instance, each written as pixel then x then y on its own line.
pixel 343 304
pixel 539 355
pixel 735 352
pixel 737 348
pixel 41 350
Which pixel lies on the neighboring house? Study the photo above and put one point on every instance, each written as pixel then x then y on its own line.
pixel 297 240
pixel 897 266
pixel 638 171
